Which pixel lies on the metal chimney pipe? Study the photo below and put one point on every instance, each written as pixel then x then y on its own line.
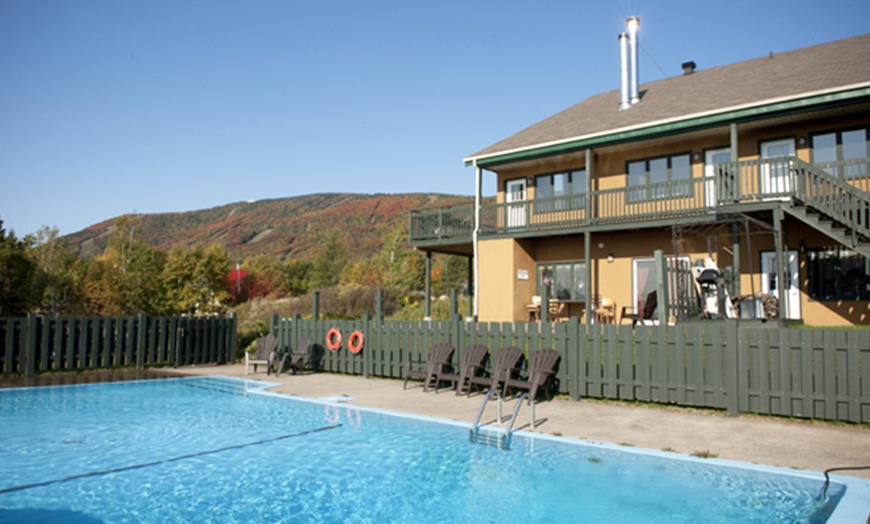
pixel 632 24
pixel 624 102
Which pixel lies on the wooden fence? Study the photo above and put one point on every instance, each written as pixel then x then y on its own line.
pixel 729 365
pixel 32 344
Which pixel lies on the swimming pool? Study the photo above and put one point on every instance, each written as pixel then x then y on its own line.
pixel 223 450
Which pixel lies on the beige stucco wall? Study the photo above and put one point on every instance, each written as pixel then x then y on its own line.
pixel 503 295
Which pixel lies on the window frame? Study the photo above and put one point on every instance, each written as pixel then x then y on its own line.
pixel 845 174
pixel 573 198
pixel 831 260
pixel 576 280
pixel 649 190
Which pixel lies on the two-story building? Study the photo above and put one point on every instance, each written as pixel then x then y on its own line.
pixel 759 166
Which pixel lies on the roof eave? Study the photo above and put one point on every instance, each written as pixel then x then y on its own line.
pixel 810 101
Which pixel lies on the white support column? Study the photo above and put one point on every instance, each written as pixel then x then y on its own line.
pixel 477 198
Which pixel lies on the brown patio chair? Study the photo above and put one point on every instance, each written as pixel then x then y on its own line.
pixel 440 357
pixel 642 316
pixel 265 353
pixel 295 360
pixel 507 365
pixel 543 364
pixel 473 361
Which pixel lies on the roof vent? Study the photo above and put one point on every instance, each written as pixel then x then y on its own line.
pixel 689 67
pixel 628 64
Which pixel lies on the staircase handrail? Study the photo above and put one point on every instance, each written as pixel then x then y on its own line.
pixel 832 196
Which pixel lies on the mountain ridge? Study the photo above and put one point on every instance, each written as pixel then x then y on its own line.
pixel 287 228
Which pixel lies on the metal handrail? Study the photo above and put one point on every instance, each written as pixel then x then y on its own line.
pixel 475 426
pixel 507 432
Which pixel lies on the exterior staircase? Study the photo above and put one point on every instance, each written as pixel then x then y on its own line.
pixel 832 206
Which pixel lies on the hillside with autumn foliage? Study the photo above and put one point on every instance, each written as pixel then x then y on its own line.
pixel 285 228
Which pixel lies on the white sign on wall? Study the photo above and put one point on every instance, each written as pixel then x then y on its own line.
pixel 522 274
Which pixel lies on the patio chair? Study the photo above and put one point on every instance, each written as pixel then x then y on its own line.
pixel 543 365
pixel 265 354
pixel 295 360
pixel 440 357
pixel 507 365
pixel 644 316
pixel 473 360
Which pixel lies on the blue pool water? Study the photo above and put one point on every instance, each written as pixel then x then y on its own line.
pixel 220 450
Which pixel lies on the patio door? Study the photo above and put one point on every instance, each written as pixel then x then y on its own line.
pixel 776 176
pixel 717 174
pixel 770 285
pixel 515 197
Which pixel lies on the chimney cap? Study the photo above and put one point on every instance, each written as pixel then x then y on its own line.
pixel 689 67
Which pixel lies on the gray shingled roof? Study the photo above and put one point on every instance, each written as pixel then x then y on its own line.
pixel 795 74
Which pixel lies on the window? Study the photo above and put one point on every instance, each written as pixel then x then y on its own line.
pixel 841 152
pixel 837 274
pixel 560 191
pixel 566 281
pixel 659 178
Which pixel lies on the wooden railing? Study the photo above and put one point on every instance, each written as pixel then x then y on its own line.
pixel 844 198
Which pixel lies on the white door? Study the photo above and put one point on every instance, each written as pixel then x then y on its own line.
pixel 776 176
pixel 515 191
pixel 771 286
pixel 716 173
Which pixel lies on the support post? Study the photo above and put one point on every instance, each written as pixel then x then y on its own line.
pixel 781 282
pixel 663 309
pixel 587 236
pixel 735 264
pixel 471 287
pixel 428 291
pixel 478 183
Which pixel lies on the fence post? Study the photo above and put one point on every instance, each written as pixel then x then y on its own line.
pixel 379 306
pixel 315 305
pixel 31 328
pixel 231 339
pixel 367 351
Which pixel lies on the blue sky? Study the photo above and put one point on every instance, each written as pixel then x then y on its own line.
pixel 118 106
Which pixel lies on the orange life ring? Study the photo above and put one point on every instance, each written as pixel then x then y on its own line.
pixel 355 342
pixel 333 339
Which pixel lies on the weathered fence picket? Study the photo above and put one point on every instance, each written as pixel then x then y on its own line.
pixel 37 343
pixel 812 373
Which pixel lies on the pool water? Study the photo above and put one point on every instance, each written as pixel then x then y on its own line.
pixel 222 450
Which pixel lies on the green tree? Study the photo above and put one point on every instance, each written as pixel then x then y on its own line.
pixel 19 292
pixel 61 272
pixel 329 263
pixel 196 279
pixel 125 279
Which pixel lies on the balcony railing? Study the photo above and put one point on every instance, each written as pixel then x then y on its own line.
pixel 837 189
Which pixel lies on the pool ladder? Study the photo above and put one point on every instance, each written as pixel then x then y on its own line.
pixel 503 440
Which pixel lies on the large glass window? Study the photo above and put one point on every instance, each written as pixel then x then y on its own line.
pixel 560 191
pixel 841 152
pixel 658 178
pixel 837 274
pixel 565 281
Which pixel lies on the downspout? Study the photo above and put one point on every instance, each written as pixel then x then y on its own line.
pixel 474 237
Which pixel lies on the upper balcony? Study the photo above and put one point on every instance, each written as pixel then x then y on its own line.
pixel 840 190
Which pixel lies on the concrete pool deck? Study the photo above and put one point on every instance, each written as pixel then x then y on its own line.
pixel 799 444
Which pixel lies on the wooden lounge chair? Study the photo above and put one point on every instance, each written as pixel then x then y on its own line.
pixel 543 364
pixel 440 357
pixel 295 360
pixel 507 365
pixel 473 360
pixel 265 354
pixel 645 316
